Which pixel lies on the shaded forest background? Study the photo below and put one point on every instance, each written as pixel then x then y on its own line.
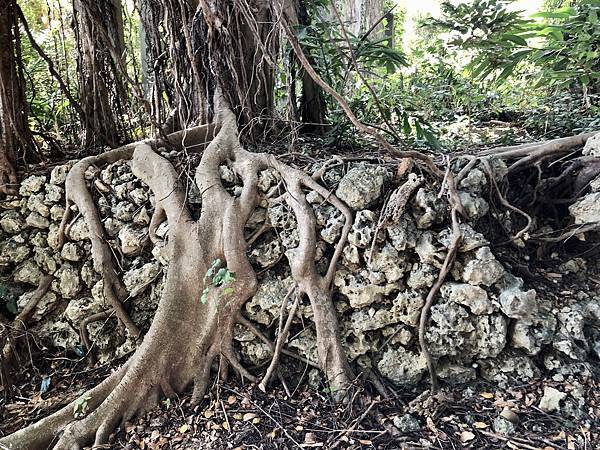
pixel 78 76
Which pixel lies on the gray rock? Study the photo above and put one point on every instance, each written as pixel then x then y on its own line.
pixel 59 174
pixel 592 146
pixel 406 424
pixel 531 335
pixel 142 217
pixel 456 373
pixel 79 231
pixel 52 238
pixel 113 226
pixel 11 252
pixel 359 290
pixel 79 309
pixel 475 206
pixel 12 222
pixel 508 367
pixel 38 240
pixel 45 259
pixel 69 283
pixel 427 251
pixel 518 304
pixel 363 229
pixel 264 307
pixel 503 426
pixel 136 280
pixel 362 186
pixel 44 306
pixel 471 239
pixel 54 194
pixel 587 209
pixel 402 367
pixel 427 209
pixel 407 306
pixel 28 272
pixel 404 234
pixel 162 254
pixel 267 253
pixel 475 181
pixel 35 203
pixel 57 212
pixel 473 297
pixel 388 261
pixel 422 276
pixel 32 185
pixel 132 239
pixel 551 399
pixel 333 228
pixel 267 178
pixel 71 252
pixel 306 344
pixel 36 220
pixel 124 211
pixel 483 269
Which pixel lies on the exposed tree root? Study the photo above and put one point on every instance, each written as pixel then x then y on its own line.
pixel 187 335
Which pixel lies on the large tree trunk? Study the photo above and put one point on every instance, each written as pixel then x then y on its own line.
pixel 15 138
pixel 98 28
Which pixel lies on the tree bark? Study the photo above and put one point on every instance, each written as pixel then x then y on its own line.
pixel 98 28
pixel 16 142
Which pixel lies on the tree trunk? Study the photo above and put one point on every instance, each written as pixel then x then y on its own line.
pixel 98 28
pixel 16 142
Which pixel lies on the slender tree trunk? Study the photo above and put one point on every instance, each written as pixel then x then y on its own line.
pixel 98 28
pixel 15 138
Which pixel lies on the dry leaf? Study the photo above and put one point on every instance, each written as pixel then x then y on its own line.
pixel 256 420
pixel 486 395
pixel 183 428
pixel 231 399
pixel 466 436
pixel 248 416
pixel 209 413
pixel 225 425
pixel 365 442
pixel 480 425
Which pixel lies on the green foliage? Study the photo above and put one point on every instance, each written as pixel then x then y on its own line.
pixel 217 276
pixel 80 406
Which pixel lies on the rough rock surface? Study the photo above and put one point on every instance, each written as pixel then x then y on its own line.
pixel 485 322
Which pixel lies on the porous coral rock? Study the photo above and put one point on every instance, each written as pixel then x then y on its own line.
pixel 265 306
pixel 362 186
pixel 427 209
pixel 359 290
pixel 36 220
pixel 402 367
pixel 28 272
pixel 12 252
pixel 35 203
pixel 508 367
pixel 12 222
pixel 138 279
pixel 267 252
pixel 470 239
pixel 388 261
pixel 406 307
pixel 483 268
pixel 403 234
pixel 32 185
pixel 531 335
pixel 79 231
pixel 44 306
pixel 132 239
pixel 71 252
pixel 587 209
pixel 473 297
pixel 422 276
pixel 69 282
pixel 475 206
pixel 363 229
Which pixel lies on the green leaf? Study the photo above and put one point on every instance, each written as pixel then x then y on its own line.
pixel 228 291
pixel 204 296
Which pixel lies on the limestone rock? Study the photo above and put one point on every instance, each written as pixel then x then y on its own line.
pixel 36 220
pixel 59 174
pixel 35 203
pixel 406 423
pixel 531 335
pixel 68 281
pixel 428 208
pixel 402 367
pixel 132 239
pixel 12 222
pixel 53 194
pixel 79 231
pixel 473 297
pixel 267 252
pixel 44 306
pixel 475 206
pixel 388 261
pixel 422 276
pixel 136 280
pixel 359 290
pixel 362 186
pixel 518 304
pixel 363 229
pixel 12 252
pixel 407 307
pixel 45 259
pixel 28 272
pixel 508 367
pixel 471 239
pixel 587 209
pixel 57 212
pixel 333 228
pixel 264 307
pixel 551 399
pixel 483 269
pixel 32 185
pixel 71 252
pixel 592 146
pixel 404 234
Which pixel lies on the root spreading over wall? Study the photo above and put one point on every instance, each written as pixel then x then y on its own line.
pixel 248 250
